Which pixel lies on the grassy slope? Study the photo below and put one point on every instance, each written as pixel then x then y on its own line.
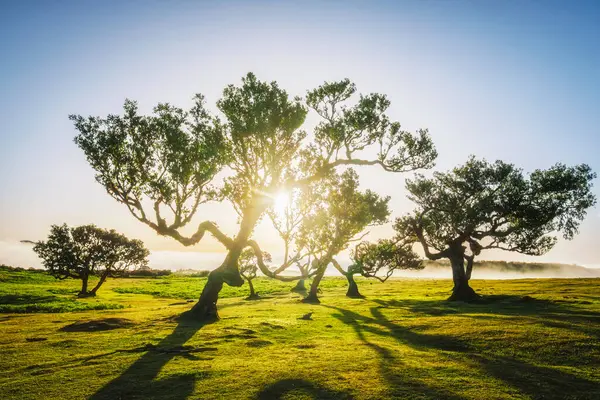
pixel 403 341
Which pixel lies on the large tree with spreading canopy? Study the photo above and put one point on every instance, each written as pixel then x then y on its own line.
pixel 482 205
pixel 162 166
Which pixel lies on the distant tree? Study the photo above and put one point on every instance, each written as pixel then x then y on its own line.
pixel 322 219
pixel 481 205
pixel 249 267
pixel 287 222
pixel 378 260
pixel 166 162
pixel 340 212
pixel 303 266
pixel 84 251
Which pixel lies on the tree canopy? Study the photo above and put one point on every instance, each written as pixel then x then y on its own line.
pixel 327 217
pixel 371 260
pixel 482 205
pixel 163 166
pixel 82 251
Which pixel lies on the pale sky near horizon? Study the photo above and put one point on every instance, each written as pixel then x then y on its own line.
pixel 511 80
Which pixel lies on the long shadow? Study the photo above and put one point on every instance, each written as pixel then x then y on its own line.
pixel 537 382
pixel 401 386
pixel 138 381
pixel 547 312
pixel 284 387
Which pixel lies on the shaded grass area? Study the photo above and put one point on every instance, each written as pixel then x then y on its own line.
pixel 528 339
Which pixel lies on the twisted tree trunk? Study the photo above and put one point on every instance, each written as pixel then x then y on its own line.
pixel 312 296
pixel 100 282
pixel 84 285
pixel 299 288
pixel 352 287
pixel 461 291
pixel 469 270
pixel 206 307
pixel 253 295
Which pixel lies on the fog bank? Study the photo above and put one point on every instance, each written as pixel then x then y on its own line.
pixel 17 254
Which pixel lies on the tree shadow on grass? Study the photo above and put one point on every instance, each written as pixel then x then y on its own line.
pixel 401 386
pixel 547 312
pixel 105 324
pixel 537 382
pixel 138 381
pixel 286 387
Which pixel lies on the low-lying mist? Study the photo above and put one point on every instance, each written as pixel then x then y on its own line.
pixel 505 270
pixel 21 255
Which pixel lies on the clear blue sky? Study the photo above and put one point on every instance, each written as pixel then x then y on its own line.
pixel 515 80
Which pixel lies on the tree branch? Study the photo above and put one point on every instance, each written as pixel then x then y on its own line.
pixel 337 266
pixel 432 256
pixel 264 269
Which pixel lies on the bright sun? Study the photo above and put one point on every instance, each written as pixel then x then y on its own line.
pixel 282 202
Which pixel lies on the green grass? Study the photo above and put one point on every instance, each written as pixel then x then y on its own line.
pixel 184 287
pixel 528 339
pixel 32 292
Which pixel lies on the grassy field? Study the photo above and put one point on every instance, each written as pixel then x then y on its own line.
pixel 528 339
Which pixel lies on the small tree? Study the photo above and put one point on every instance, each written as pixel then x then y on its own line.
pixel 287 221
pixel 482 205
pixel 87 250
pixel 249 268
pixel 340 212
pixel 371 259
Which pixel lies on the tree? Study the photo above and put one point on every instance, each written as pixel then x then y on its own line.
pixel 249 268
pixel 167 162
pixel 340 212
pixel 287 220
pixel 481 205
pixel 369 259
pixel 84 251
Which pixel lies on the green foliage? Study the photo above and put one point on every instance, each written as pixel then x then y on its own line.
pixel 496 206
pixel 26 305
pixel 170 159
pixel 86 250
pixel 339 211
pixel 247 263
pixel 369 259
pixel 350 128
pixel 147 272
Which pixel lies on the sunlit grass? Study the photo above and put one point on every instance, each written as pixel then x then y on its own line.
pixel 402 341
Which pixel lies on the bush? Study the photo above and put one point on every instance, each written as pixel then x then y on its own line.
pixel 192 273
pixel 147 273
